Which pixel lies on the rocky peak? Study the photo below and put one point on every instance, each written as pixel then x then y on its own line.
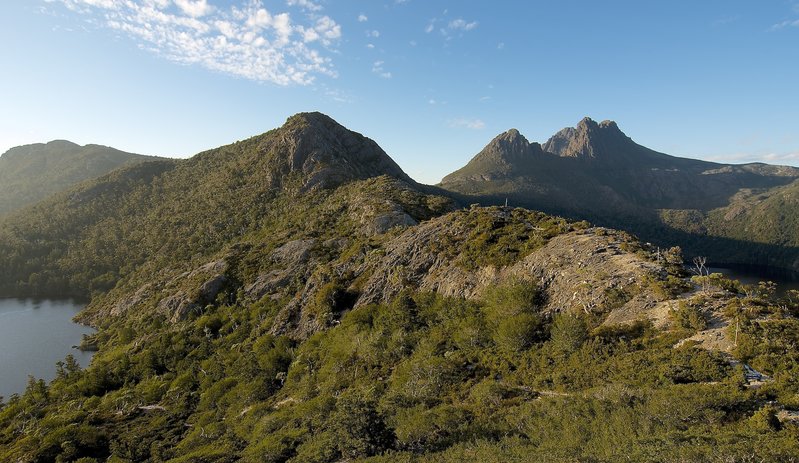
pixel 509 148
pixel 587 124
pixel 324 154
pixel 588 140
pixel 608 124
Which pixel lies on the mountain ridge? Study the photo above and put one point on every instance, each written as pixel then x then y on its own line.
pixel 29 173
pixel 596 172
pixel 268 301
pixel 152 209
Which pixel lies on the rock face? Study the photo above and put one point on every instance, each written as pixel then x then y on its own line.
pixel 323 154
pixel 589 140
pixel 577 270
pixel 510 148
pixel 289 261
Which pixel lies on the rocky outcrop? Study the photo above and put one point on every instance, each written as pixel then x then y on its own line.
pixel 578 270
pixel 321 153
pixel 589 140
pixel 288 262
pixel 191 291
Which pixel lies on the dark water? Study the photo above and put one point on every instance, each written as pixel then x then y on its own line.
pixel 34 335
pixel 752 276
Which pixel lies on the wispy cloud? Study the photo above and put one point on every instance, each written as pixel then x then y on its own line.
pixel 784 24
pixel 464 123
pixel 305 4
pixel 461 24
pixel 337 95
pixel 784 158
pixel 244 40
pixel 362 18
pixel 195 9
pixel 378 69
pixel 788 22
pixel 448 28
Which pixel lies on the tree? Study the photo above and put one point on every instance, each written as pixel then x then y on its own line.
pixel 700 268
pixel 359 429
pixel 689 317
pixel 518 332
pixel 569 332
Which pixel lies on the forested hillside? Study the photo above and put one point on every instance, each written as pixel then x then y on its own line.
pixel 30 173
pixel 295 297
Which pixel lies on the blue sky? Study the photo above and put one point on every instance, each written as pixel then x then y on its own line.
pixel 431 81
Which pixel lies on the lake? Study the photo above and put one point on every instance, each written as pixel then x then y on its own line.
pixel 749 276
pixel 34 335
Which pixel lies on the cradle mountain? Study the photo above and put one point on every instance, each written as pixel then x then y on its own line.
pixel 296 297
pixel 595 172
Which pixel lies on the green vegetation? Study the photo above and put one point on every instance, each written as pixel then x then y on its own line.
pixel 689 317
pixel 30 173
pixel 309 324
pixel 500 236
pixel 424 378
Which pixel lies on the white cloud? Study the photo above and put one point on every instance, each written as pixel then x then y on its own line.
pixel 784 24
pixel 338 96
pixel 362 18
pixel 374 33
pixel 378 69
pixel 370 46
pixel 195 9
pixel 449 28
pixel 461 25
pixel 784 158
pixel 305 4
pixel 246 41
pixel 473 124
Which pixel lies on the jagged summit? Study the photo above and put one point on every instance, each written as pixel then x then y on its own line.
pixel 589 140
pixel 323 153
pixel 500 157
pixel 510 146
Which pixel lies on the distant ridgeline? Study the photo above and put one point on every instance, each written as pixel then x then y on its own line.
pixel 30 173
pixel 296 297
pixel 739 214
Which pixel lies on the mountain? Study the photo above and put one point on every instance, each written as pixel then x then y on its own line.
pixel 595 171
pixel 30 173
pixel 295 297
pixel 157 211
